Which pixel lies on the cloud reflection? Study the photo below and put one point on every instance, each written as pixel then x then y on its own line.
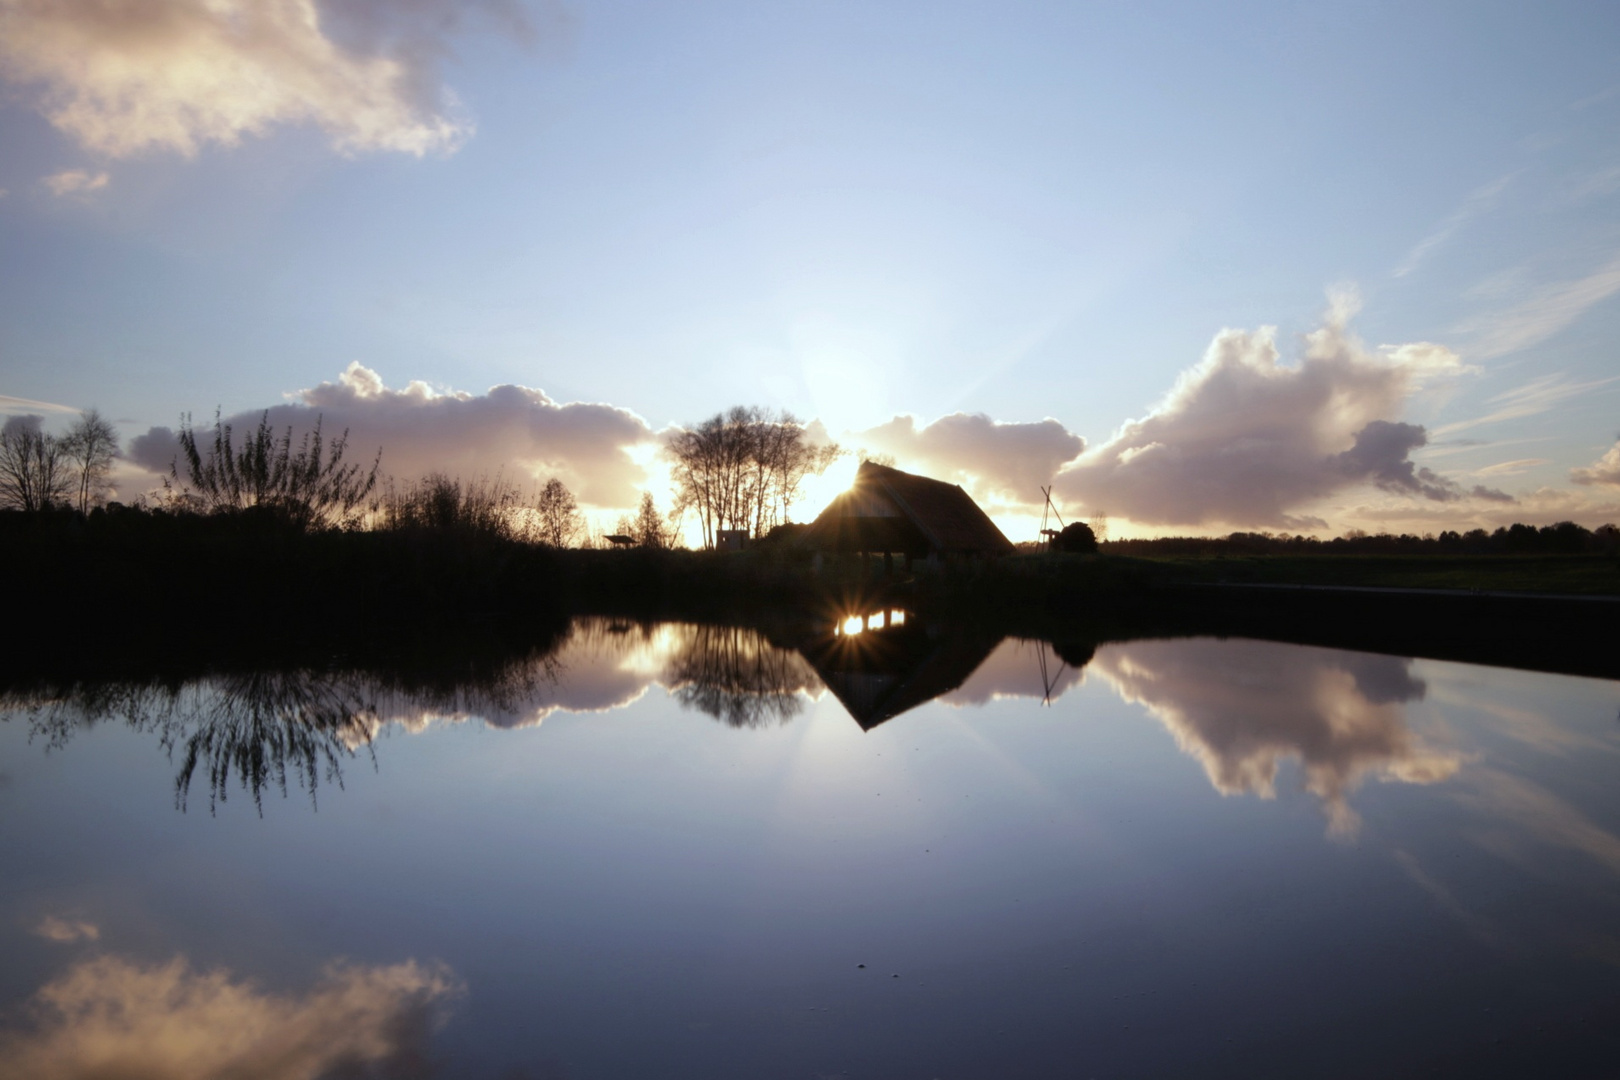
pixel 1021 668
pixel 111 1017
pixel 1242 707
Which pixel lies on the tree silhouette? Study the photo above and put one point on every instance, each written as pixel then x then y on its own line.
pixel 560 522
pixel 90 446
pixel 744 469
pixel 648 527
pixel 310 487
pixel 34 472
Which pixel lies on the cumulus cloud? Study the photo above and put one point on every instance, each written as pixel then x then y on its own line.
pixel 76 182
pixel 1012 461
pixel 1246 440
pixel 113 1017
pixel 421 430
pixel 126 76
pixel 1605 470
pixel 1242 707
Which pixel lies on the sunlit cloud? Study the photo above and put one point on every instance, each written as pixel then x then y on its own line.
pixel 1541 506
pixel 111 1017
pixel 17 405
pixel 76 182
pixel 420 430
pixel 1511 468
pixel 1243 707
pixel 1605 470
pixel 126 76
pixel 1246 440
pixel 991 459
pixel 53 928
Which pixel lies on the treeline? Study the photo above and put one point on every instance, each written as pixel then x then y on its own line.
pixel 743 469
pixel 1563 538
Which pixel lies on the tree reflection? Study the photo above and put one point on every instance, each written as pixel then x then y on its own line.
pixel 260 728
pixel 737 676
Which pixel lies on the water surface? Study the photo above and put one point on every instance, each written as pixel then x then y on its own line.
pixel 900 850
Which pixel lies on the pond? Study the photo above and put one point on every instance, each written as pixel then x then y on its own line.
pixel 882 848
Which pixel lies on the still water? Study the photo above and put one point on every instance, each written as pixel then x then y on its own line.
pixel 894 850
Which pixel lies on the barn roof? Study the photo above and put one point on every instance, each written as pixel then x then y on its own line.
pixel 945 516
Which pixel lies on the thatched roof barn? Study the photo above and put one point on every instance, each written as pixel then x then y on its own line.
pixel 880 674
pixel 892 511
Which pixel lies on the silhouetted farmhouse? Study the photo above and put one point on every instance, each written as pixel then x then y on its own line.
pixel 877 674
pixel 892 511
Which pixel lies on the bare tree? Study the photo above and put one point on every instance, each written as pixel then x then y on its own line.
pixel 745 468
pixel 34 472
pixel 560 520
pixel 90 446
pixel 310 487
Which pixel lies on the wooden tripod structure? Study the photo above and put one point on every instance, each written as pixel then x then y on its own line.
pixel 1050 509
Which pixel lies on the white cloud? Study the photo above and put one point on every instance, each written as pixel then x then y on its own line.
pixel 420 430
pixel 1243 439
pixel 1477 202
pixel 1541 816
pixel 1511 468
pixel 113 1017
pixel 1605 470
pixel 1544 313
pixel 76 182
pixel 1009 461
pixel 1243 707
pixel 126 76
pixel 1534 397
pixel 10 404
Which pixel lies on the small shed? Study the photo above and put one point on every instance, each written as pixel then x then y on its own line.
pixel 890 511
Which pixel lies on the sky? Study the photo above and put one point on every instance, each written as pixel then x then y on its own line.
pixel 1275 266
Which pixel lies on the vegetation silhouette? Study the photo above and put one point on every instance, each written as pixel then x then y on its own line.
pixel 309 487
pixel 255 727
pixel 33 466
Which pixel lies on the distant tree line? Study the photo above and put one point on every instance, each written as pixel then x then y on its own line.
pixel 39 471
pixel 1563 538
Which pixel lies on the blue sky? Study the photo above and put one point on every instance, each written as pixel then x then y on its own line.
pixel 855 212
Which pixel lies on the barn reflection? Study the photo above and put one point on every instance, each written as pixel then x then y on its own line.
pixel 883 662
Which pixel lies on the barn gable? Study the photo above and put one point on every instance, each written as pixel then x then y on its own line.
pixel 890 510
